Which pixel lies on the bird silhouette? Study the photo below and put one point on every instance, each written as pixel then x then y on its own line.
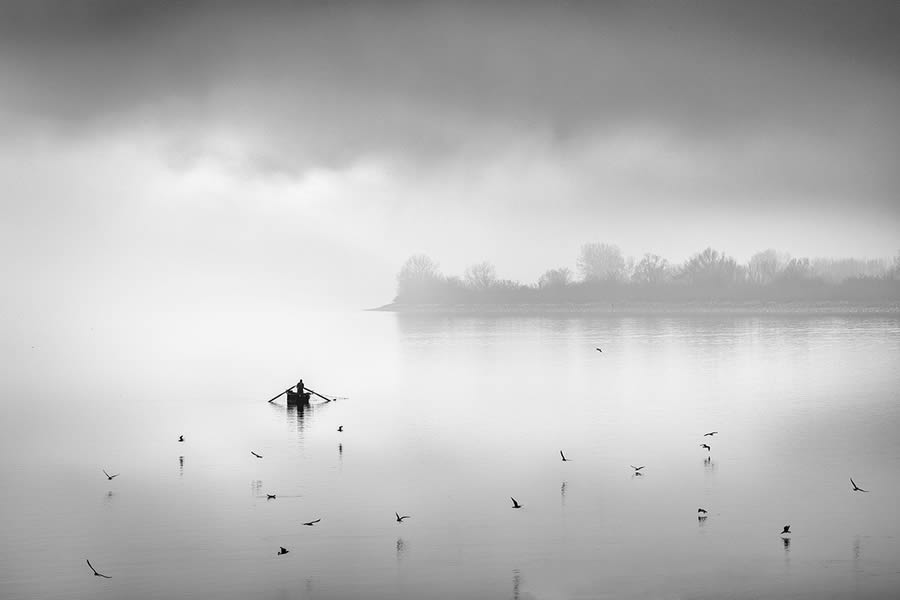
pixel 180 438
pixel 108 476
pixel 255 454
pixel 598 350
pixel 706 446
pixel 270 496
pixel 711 433
pixel 564 456
pixel 701 510
pixel 311 523
pixel 786 530
pixel 282 550
pixel 340 428
pixel 96 574
pixel 856 488
pixel 515 503
pixel 400 519
pixel 636 469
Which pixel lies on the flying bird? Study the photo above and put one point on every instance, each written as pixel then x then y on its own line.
pixel 515 503
pixel 400 519
pixel 856 488
pixel 710 434
pixel 311 523
pixel 787 529
pixel 636 469
pixel 96 574
pixel 282 550
pixel 340 428
pixel 706 446
pixel 564 456
pixel 701 510
pixel 598 350
pixel 180 438
pixel 270 496
pixel 108 476
pixel 255 454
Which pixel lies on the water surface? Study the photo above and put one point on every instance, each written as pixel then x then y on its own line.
pixel 445 418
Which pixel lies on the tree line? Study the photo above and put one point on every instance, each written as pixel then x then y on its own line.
pixel 604 274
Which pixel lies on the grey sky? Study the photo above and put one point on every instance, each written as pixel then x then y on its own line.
pixel 507 131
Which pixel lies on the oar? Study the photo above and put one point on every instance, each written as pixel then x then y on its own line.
pixel 305 389
pixel 319 395
pixel 280 395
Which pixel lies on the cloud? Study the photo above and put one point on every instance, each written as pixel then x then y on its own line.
pixel 625 122
pixel 282 87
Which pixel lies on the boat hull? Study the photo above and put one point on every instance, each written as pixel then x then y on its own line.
pixel 295 399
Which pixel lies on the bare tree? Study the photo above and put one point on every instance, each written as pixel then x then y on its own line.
pixel 418 267
pixel 560 277
pixel 711 268
pixel 764 266
pixel 837 270
pixel 653 269
pixel 797 269
pixel 418 277
pixel 601 262
pixel 481 276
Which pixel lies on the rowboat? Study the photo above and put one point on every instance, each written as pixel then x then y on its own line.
pixel 295 399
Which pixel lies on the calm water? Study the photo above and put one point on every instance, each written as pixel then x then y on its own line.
pixel 446 418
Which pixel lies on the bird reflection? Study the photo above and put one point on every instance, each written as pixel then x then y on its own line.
pixel 562 491
pixel 516 582
pixel 701 520
pixel 180 466
pixel 709 465
pixel 401 548
pixel 787 544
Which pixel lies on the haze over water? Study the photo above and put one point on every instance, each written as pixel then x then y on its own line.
pixel 446 418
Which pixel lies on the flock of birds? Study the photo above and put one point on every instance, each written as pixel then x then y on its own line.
pixel 281 551
pixel 701 512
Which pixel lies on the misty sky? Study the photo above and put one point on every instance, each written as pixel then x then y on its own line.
pixel 191 153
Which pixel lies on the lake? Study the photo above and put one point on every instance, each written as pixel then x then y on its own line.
pixel 445 418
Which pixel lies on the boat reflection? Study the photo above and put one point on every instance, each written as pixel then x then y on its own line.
pixel 299 415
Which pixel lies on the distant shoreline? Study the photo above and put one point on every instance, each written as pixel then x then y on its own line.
pixel 655 308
